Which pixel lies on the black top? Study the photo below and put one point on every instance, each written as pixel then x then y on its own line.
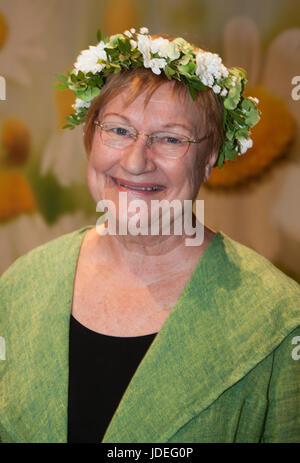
pixel 100 369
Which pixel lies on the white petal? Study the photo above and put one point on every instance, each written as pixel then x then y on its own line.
pixel 64 155
pixel 288 218
pixel 242 46
pixel 282 63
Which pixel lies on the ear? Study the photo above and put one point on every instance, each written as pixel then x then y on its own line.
pixel 211 160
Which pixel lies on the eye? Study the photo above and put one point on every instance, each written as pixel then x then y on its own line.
pixel 170 140
pixel 121 131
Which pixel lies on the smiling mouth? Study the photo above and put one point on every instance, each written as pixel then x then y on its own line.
pixel 139 188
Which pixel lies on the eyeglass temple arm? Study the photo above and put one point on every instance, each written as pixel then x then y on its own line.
pixel 198 140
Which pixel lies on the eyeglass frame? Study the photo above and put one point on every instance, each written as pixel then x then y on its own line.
pixel 188 141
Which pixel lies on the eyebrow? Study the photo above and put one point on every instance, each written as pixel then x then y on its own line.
pixel 169 125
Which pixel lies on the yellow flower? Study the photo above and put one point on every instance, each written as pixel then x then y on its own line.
pixel 3 30
pixel 16 141
pixel 64 101
pixel 16 196
pixel 270 140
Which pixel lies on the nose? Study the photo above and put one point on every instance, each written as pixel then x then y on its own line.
pixel 135 158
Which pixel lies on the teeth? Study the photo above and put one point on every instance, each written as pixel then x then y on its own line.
pixel 140 188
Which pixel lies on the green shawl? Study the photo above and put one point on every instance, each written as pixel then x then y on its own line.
pixel 221 369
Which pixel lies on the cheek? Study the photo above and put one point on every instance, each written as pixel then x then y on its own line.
pixel 196 173
pixel 101 159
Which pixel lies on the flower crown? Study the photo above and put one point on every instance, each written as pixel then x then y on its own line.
pixel 178 59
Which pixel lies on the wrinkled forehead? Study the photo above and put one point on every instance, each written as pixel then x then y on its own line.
pixel 166 104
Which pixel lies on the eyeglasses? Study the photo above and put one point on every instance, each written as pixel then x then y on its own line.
pixel 163 144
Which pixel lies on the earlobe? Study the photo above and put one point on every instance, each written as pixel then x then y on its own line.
pixel 207 172
pixel 212 163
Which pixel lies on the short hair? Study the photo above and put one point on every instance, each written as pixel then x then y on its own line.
pixel 141 80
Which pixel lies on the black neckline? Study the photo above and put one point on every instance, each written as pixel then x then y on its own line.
pixel 119 338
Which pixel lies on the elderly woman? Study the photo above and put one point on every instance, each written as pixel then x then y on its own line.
pixel 111 335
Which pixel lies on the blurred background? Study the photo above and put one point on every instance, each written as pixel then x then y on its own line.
pixel 43 193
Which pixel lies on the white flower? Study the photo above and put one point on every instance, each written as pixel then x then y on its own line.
pixel 224 92
pixel 133 44
pixel 233 81
pixel 87 61
pixel 244 144
pixel 128 34
pixel 209 68
pixel 80 104
pixel 156 64
pixel 165 48
pixel 132 30
pixel 144 30
pixel 144 46
pixel 27 231
pixel 216 88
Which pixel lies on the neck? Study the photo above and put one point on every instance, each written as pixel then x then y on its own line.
pixel 149 257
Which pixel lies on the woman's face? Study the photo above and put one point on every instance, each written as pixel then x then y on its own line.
pixel 137 165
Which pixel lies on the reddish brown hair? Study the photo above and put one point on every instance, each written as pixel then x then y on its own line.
pixel 141 80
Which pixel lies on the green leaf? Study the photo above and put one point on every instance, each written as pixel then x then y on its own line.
pixel 61 86
pixel 80 75
pixel 90 93
pixel 74 78
pixel 237 118
pixel 72 119
pixel 127 45
pixel 62 78
pixel 99 35
pixel 252 118
pixel 169 71
pixel 231 155
pixel 247 104
pixel 79 93
pixel 69 126
pixel 197 84
pixel 242 133
pixel 122 47
pixel 192 91
pixel 230 134
pixel 232 99
pixel 187 68
pixel 221 158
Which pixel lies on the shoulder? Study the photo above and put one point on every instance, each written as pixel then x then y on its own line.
pixel 41 263
pixel 248 267
pixel 248 296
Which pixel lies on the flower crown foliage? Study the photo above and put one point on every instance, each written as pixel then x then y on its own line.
pixel 178 59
